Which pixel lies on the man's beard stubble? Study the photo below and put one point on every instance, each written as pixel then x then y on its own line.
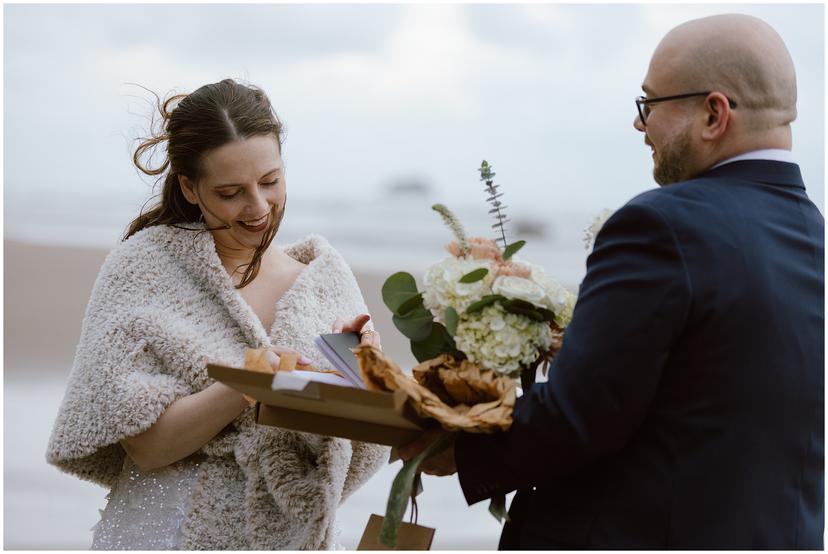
pixel 670 162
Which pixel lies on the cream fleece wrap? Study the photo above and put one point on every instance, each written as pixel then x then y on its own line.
pixel 162 306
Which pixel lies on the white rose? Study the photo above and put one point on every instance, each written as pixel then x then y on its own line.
pixel 520 289
pixel 557 297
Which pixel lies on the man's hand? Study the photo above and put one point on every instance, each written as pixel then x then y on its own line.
pixel 440 464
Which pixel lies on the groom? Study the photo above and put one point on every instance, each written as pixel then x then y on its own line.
pixel 685 409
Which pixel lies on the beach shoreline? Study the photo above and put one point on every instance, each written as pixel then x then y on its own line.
pixel 47 288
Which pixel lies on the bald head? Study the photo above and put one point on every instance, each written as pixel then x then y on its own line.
pixel 738 55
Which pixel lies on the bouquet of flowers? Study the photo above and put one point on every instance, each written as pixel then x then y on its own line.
pixel 484 319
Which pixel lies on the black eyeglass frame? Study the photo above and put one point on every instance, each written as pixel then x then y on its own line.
pixel 642 102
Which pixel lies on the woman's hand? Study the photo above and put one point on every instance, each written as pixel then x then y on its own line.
pixel 368 336
pixel 276 353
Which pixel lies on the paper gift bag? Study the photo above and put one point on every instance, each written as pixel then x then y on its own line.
pixel 409 537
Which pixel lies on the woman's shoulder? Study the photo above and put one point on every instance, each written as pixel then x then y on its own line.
pixel 149 252
pixel 161 238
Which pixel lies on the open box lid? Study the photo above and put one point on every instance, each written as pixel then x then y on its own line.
pixel 323 408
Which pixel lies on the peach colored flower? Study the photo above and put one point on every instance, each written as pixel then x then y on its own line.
pixel 508 268
pixel 481 249
pixel 453 249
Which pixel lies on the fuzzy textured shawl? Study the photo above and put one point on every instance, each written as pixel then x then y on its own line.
pixel 162 306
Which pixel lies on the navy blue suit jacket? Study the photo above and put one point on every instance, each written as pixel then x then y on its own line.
pixel 685 409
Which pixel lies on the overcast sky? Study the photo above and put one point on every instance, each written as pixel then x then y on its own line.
pixel 370 95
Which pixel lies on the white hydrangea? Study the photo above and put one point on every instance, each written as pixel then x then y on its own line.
pixel 443 287
pixel 502 341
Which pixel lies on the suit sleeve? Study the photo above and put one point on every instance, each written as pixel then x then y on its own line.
pixel 633 304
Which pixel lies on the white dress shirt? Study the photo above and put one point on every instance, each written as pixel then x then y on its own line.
pixel 773 154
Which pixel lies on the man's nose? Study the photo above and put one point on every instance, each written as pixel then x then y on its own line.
pixel 637 124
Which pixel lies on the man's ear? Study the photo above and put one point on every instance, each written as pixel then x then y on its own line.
pixel 717 114
pixel 187 189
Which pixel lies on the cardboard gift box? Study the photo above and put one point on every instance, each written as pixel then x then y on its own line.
pixel 290 402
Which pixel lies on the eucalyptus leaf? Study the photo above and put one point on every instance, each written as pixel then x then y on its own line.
pixel 548 315
pixel 518 303
pixel 512 249
pixel 412 303
pixel 452 319
pixel 497 507
pixel 438 342
pixel 401 489
pixel 474 276
pixel 398 289
pixel 416 324
pixel 522 307
pixel 531 313
pixel 487 300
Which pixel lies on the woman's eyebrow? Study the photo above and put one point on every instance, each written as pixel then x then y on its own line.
pixel 224 185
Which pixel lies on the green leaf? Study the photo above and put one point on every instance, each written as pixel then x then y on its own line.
pixel 518 303
pixel 531 313
pixel 548 315
pixel 487 300
pixel 415 301
pixel 522 307
pixel 438 342
pixel 474 276
pixel 401 489
pixel 452 319
pixel 397 289
pixel 416 324
pixel 497 507
pixel 512 249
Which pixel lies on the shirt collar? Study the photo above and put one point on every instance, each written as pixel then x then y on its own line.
pixel 773 154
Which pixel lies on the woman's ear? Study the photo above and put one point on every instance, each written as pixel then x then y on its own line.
pixel 187 189
pixel 717 112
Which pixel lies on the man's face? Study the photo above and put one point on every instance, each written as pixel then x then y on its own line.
pixel 668 131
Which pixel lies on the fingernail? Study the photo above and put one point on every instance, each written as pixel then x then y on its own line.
pixel 304 360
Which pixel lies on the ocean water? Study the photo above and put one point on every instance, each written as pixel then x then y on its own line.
pixel 383 234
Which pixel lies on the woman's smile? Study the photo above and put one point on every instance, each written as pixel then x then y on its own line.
pixel 255 225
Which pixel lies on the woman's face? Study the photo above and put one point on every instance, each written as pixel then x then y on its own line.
pixel 242 186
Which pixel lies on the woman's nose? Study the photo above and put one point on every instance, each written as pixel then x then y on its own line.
pixel 260 205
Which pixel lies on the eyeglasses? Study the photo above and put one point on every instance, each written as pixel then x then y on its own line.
pixel 643 103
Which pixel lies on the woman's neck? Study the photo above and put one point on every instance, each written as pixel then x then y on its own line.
pixel 235 258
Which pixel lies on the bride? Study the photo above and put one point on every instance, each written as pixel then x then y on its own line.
pixel 198 279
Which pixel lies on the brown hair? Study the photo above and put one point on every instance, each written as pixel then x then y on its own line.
pixel 192 125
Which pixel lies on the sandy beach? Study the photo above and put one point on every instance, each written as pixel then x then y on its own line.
pixel 46 291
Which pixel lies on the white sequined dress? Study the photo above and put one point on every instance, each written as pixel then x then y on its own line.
pixel 145 509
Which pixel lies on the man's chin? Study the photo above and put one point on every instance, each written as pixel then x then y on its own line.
pixel 660 179
pixel 667 176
